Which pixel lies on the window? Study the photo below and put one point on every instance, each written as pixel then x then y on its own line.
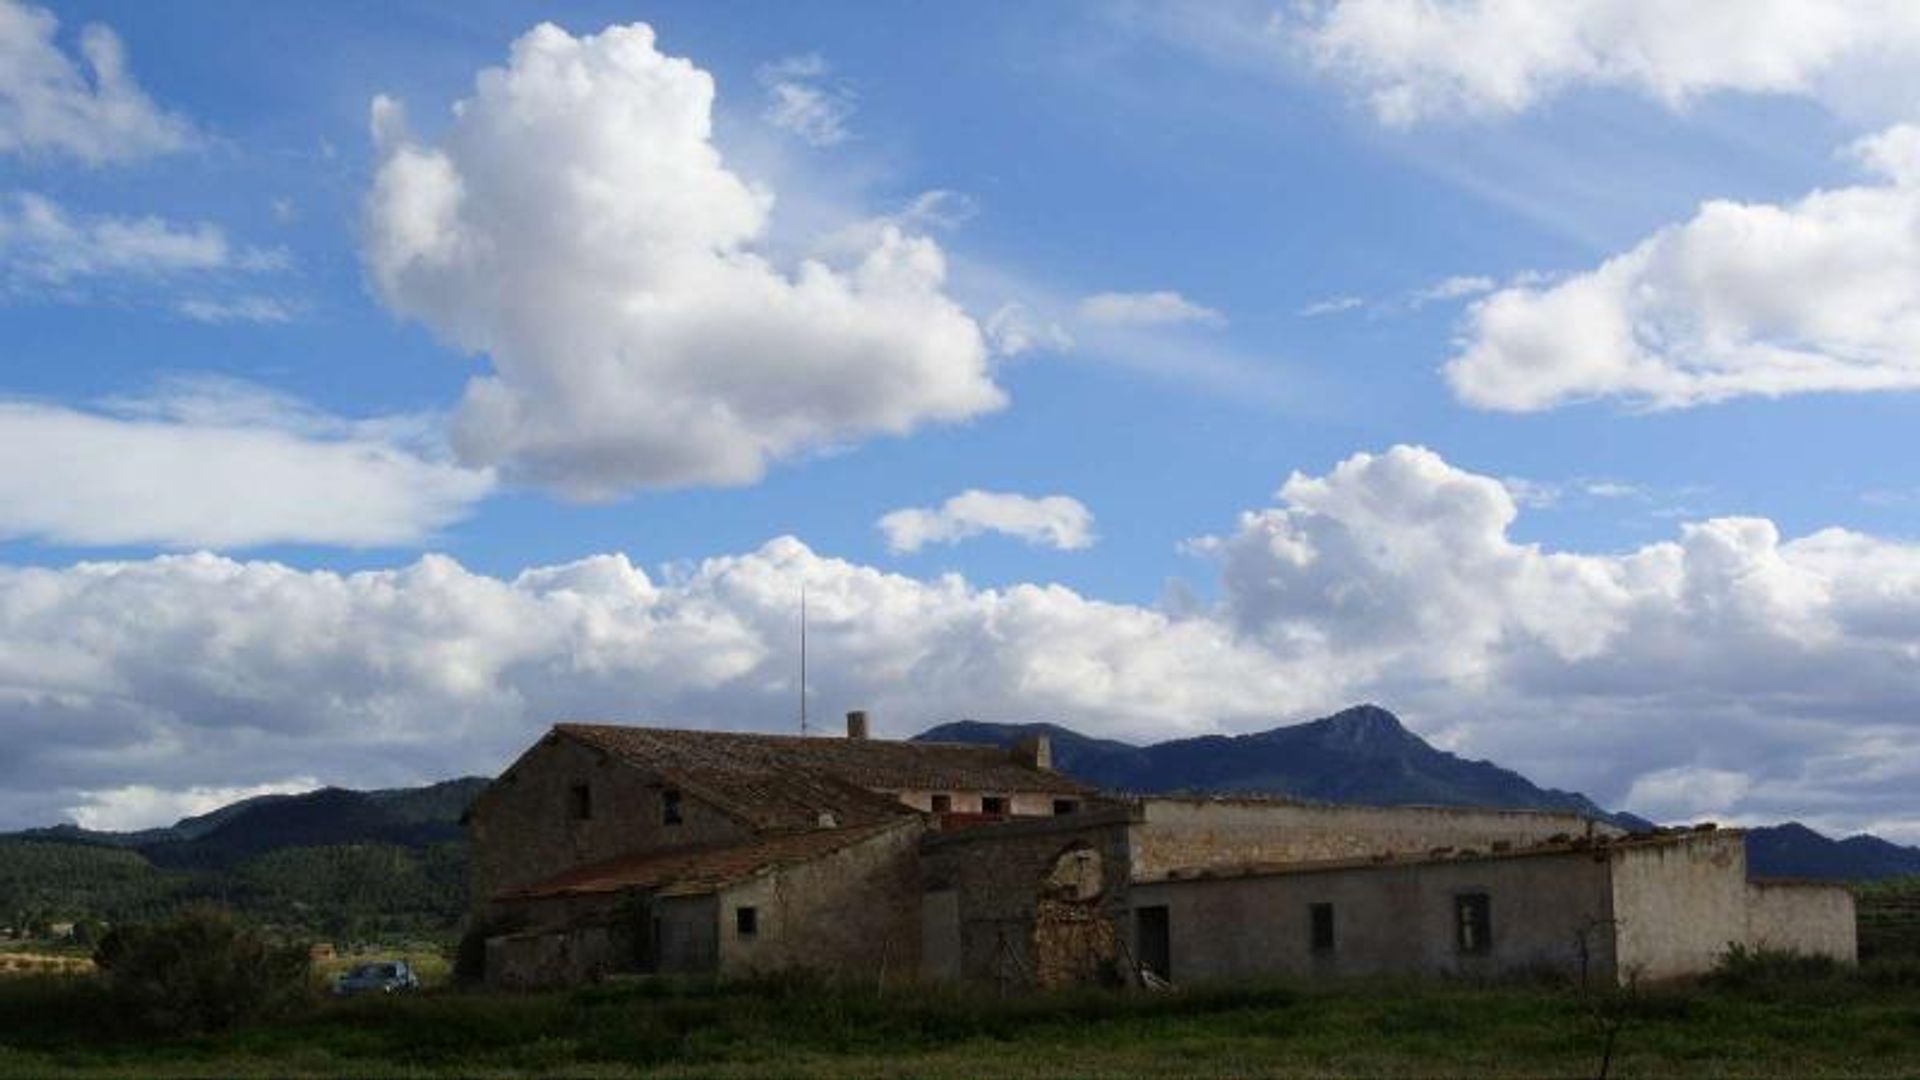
pixel 1065 806
pixel 670 807
pixel 993 804
pixel 943 804
pixel 580 802
pixel 1320 916
pixel 746 921
pixel 1473 922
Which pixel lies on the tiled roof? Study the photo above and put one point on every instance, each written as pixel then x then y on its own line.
pixel 785 781
pixel 694 871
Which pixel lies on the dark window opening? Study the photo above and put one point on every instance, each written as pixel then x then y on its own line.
pixel 1473 919
pixel 1153 937
pixel 670 807
pixel 1321 916
pixel 943 804
pixel 993 804
pixel 580 802
pixel 746 921
pixel 1065 806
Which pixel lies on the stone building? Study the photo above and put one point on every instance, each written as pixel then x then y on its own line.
pixel 606 849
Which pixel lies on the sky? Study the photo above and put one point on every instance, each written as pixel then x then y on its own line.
pixel 381 383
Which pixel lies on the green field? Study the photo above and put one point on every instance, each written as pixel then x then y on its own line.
pixel 1774 1025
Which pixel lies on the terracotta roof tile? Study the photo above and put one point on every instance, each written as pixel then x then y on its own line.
pixel 694 871
pixel 785 782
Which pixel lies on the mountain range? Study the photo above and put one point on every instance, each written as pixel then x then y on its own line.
pixel 1364 754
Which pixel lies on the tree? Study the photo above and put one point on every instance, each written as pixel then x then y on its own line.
pixel 200 970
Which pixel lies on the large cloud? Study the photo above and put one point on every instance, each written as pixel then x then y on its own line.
pixel 1421 59
pixel 223 465
pixel 1780 670
pixel 577 225
pixel 49 105
pixel 1744 299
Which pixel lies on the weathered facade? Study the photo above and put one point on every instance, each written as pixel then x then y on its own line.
pixel 609 849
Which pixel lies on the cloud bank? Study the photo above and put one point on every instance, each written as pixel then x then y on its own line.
pixel 1781 668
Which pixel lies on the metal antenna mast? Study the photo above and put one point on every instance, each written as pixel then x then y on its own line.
pixel 803 661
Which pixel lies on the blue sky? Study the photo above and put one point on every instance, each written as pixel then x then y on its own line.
pixel 1290 259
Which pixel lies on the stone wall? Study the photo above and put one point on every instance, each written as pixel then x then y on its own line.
pixel 1026 902
pixel 535 960
pixel 853 912
pixel 1810 917
pixel 1679 904
pixel 1183 834
pixel 1548 912
pixel 524 830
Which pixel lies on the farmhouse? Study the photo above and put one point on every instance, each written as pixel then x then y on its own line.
pixel 607 849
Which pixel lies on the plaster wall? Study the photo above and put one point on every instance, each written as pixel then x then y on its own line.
pixel 1812 918
pixel 1677 906
pixel 1020 804
pixel 853 912
pixel 1180 834
pixel 1545 911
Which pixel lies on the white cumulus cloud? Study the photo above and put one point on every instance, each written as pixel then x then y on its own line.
pixel 1055 521
pixel 217 465
pixel 578 226
pixel 93 111
pixel 1744 299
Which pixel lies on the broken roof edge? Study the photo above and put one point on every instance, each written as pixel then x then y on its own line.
pixel 1253 798
pixel 1437 857
pixel 604 876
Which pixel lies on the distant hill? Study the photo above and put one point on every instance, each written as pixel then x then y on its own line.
pixel 399 817
pixel 1358 755
pixel 1366 755
pixel 332 862
pixel 1793 850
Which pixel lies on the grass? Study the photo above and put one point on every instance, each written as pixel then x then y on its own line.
pixel 1767 1023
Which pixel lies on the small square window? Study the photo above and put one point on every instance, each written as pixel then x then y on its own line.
pixel 580 802
pixel 1320 916
pixel 993 804
pixel 670 807
pixel 943 804
pixel 1473 921
pixel 746 921
pixel 1065 806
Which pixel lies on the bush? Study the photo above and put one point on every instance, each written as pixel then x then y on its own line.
pixel 1743 968
pixel 199 971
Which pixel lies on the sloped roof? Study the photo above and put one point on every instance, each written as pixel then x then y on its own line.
pixel 785 781
pixel 694 871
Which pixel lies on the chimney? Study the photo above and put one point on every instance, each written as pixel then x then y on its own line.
pixel 1034 751
pixel 857 724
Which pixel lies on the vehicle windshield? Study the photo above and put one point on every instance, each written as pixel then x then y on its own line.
pixel 373 971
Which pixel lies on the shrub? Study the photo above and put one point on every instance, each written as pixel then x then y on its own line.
pixel 1741 967
pixel 198 971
